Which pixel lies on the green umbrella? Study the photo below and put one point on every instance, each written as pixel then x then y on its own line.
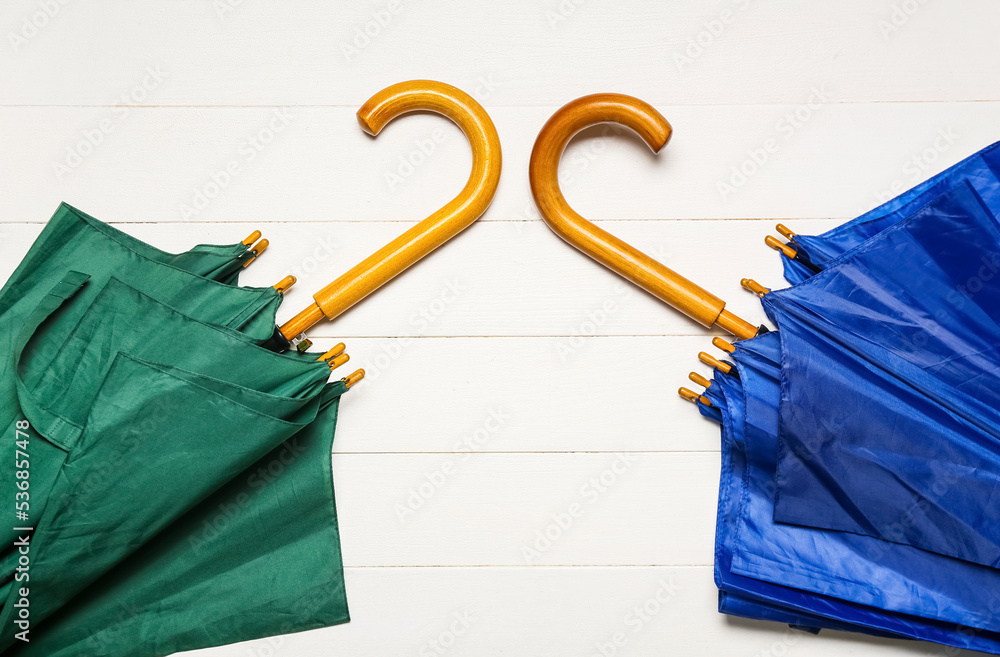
pixel 178 480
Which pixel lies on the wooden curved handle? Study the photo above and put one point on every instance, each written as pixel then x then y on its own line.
pixel 636 266
pixel 399 254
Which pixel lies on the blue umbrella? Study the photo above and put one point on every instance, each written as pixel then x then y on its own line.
pixel 819 577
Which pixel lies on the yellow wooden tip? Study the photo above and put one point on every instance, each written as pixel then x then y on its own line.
pixel 260 246
pixel 253 237
pixel 785 232
pixel 337 361
pixel 333 353
pixel 699 380
pixel 256 250
pixel 723 345
pixel 714 362
pixel 777 245
pixel 352 379
pixel 694 397
pixel 754 286
pixel 285 283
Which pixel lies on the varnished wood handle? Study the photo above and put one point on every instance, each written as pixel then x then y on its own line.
pixel 636 266
pixel 399 254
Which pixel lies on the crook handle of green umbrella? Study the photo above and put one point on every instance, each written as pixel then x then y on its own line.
pixel 399 254
pixel 622 258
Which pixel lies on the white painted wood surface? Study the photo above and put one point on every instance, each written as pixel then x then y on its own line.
pixel 129 111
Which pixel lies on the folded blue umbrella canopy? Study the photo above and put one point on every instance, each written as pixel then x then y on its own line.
pixel 890 403
pixel 819 579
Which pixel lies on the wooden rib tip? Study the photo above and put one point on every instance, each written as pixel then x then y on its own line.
pixel 754 287
pixel 353 378
pixel 727 347
pixel 256 250
pixel 777 245
pixel 285 283
pixel 785 232
pixel 714 362
pixel 699 380
pixel 337 361
pixel 251 238
pixel 333 353
pixel 694 397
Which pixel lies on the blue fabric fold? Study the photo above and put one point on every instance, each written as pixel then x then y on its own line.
pixel 890 397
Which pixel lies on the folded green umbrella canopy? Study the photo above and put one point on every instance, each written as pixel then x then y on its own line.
pixel 166 454
pixel 133 416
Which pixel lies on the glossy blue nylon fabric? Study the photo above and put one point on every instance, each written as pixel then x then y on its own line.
pixel 890 397
pixel 981 170
pixel 819 579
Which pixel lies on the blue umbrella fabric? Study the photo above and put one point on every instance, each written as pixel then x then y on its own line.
pixel 814 579
pixel 890 397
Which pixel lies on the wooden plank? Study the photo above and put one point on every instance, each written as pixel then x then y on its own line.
pixel 724 162
pixel 526 509
pixel 525 395
pixel 310 52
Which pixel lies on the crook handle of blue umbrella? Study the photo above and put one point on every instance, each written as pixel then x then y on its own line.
pixel 622 258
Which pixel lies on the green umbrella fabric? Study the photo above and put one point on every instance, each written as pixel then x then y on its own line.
pixel 252 560
pixel 148 394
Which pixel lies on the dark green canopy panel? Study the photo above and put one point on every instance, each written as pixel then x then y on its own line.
pixel 168 477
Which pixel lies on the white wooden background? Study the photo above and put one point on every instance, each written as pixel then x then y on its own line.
pixel 504 335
